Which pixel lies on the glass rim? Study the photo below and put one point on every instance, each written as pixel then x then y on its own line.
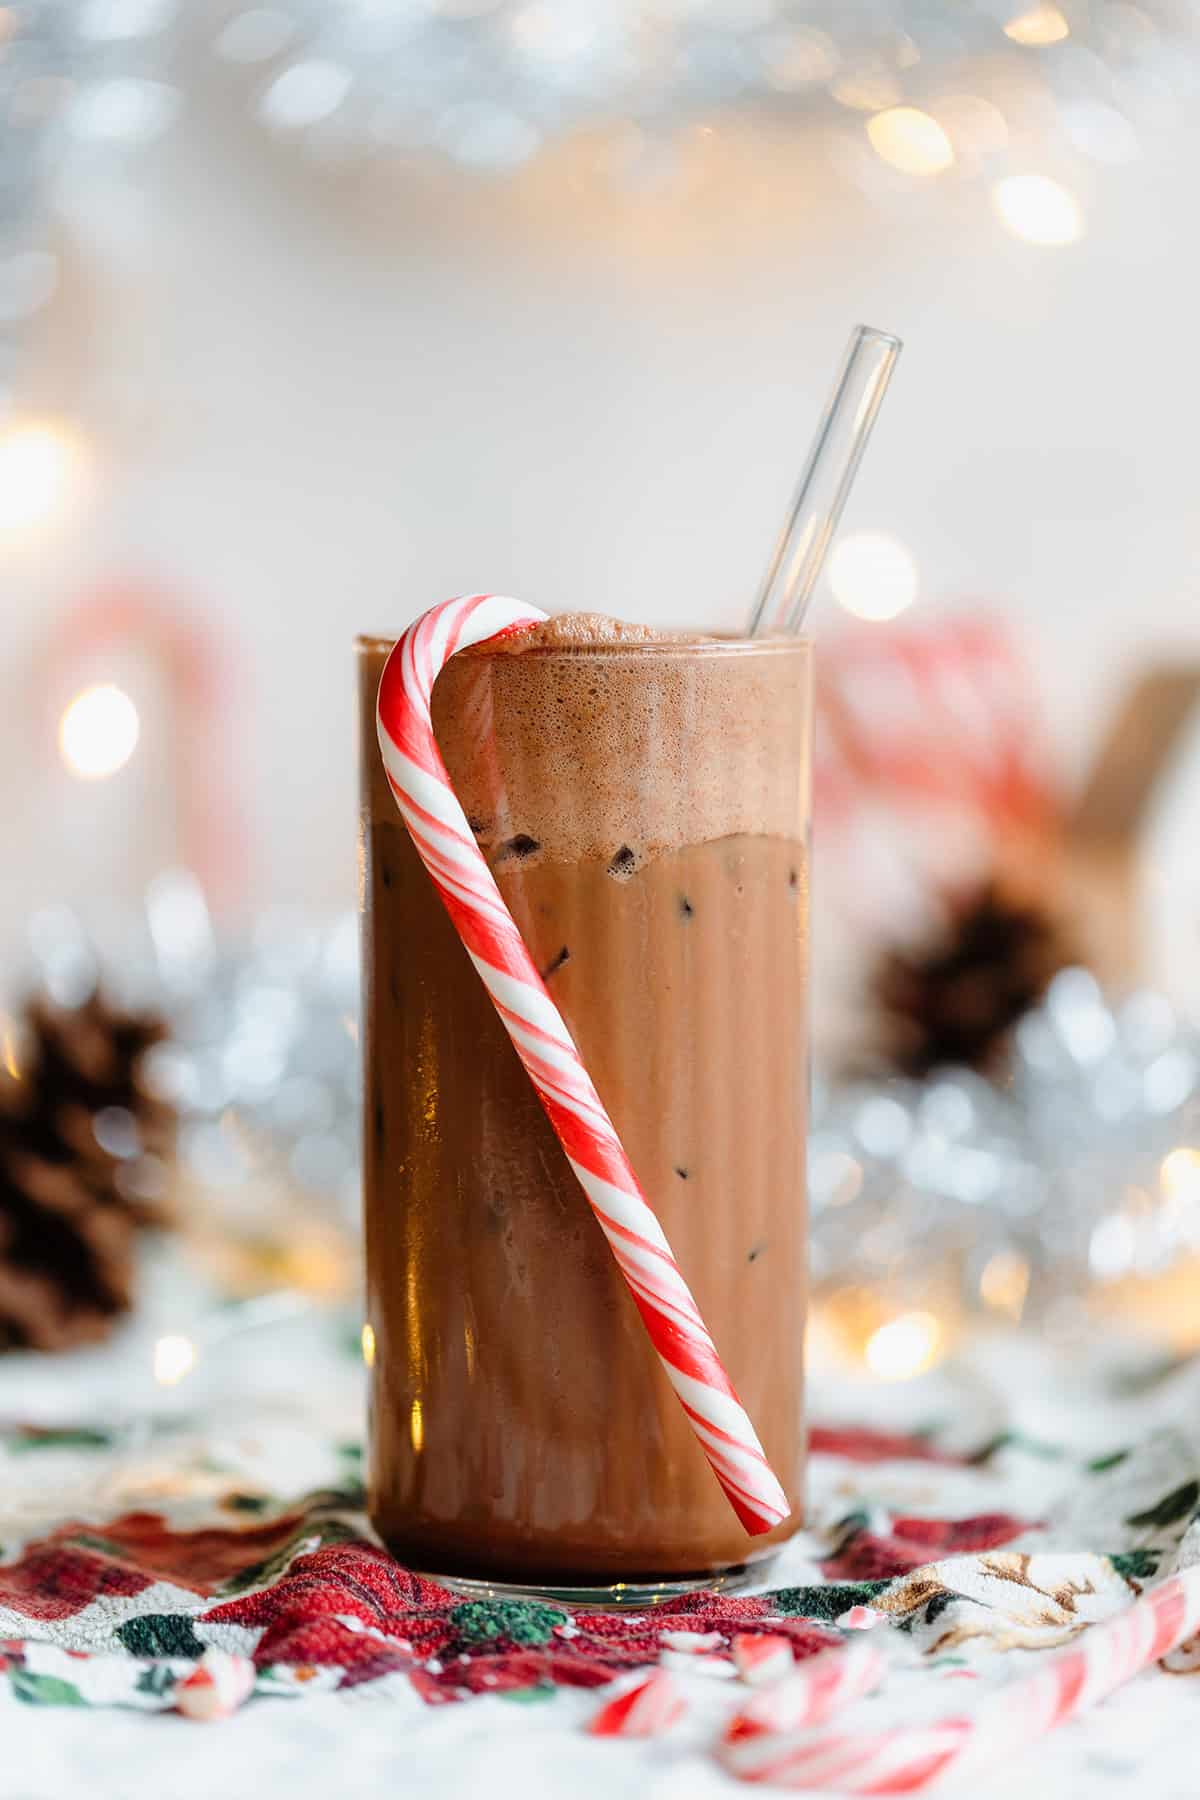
pixel 710 645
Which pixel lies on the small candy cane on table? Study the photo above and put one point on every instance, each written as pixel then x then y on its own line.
pixel 647 1709
pixel 691 1643
pixel 220 1682
pixel 909 1757
pixel 762 1658
pixel 446 845
pixel 809 1692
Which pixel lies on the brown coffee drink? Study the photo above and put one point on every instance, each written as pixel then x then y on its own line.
pixel 643 804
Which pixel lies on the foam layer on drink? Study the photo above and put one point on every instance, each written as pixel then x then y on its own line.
pixel 587 631
pixel 681 736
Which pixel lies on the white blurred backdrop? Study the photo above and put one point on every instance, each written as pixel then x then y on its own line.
pixel 310 401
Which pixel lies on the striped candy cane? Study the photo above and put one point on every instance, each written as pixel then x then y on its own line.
pixel 220 1682
pixel 446 845
pixel 908 1757
pixel 810 1693
pixel 647 1709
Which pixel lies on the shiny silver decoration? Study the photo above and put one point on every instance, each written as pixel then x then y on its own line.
pixel 82 88
pixel 486 83
pixel 1083 1168
pixel 263 1060
pixel 88 86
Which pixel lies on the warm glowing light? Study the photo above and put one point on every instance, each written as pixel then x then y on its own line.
pixel 174 1357
pixel 1180 1177
pixel 99 732
pixel 368 1345
pixel 41 467
pixel 904 1347
pixel 8 1050
pixel 416 1426
pixel 1004 1283
pixel 852 1328
pixel 1040 26
pixel 910 140
pixel 1037 209
pixel 873 575
pixel 316 1262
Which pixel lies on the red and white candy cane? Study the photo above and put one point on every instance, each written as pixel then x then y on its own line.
pixel 446 845
pixel 809 1692
pixel 220 1682
pixel 909 1757
pixel 761 1658
pixel 647 1709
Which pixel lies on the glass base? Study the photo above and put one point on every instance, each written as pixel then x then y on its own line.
pixel 610 1596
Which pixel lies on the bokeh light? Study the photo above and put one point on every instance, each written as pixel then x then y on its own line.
pixel 1004 1283
pixel 910 140
pixel 109 21
pixel 1180 1177
pixel 1040 26
pixel 98 732
pixel 904 1347
pixel 1038 210
pixel 41 470
pixel 304 93
pixel 873 575
pixel 126 110
pixel 174 1358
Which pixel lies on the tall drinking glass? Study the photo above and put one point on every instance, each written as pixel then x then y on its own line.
pixel 644 807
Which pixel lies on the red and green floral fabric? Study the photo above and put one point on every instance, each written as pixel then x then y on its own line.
pixel 123 1562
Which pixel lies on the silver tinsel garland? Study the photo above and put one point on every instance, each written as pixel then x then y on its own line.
pixel 262 1061
pixel 88 86
pixel 1082 1168
pixel 487 82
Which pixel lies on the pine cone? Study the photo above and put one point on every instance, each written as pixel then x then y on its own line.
pixel 83 1148
pixel 956 999
pixel 66 1240
pixel 87 1093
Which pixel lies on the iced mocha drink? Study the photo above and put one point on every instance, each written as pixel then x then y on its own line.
pixel 642 803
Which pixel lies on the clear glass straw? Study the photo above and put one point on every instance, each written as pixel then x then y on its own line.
pixel 828 476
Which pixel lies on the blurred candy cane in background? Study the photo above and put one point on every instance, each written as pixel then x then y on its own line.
pixel 144 690
pixel 921 726
pixel 933 772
